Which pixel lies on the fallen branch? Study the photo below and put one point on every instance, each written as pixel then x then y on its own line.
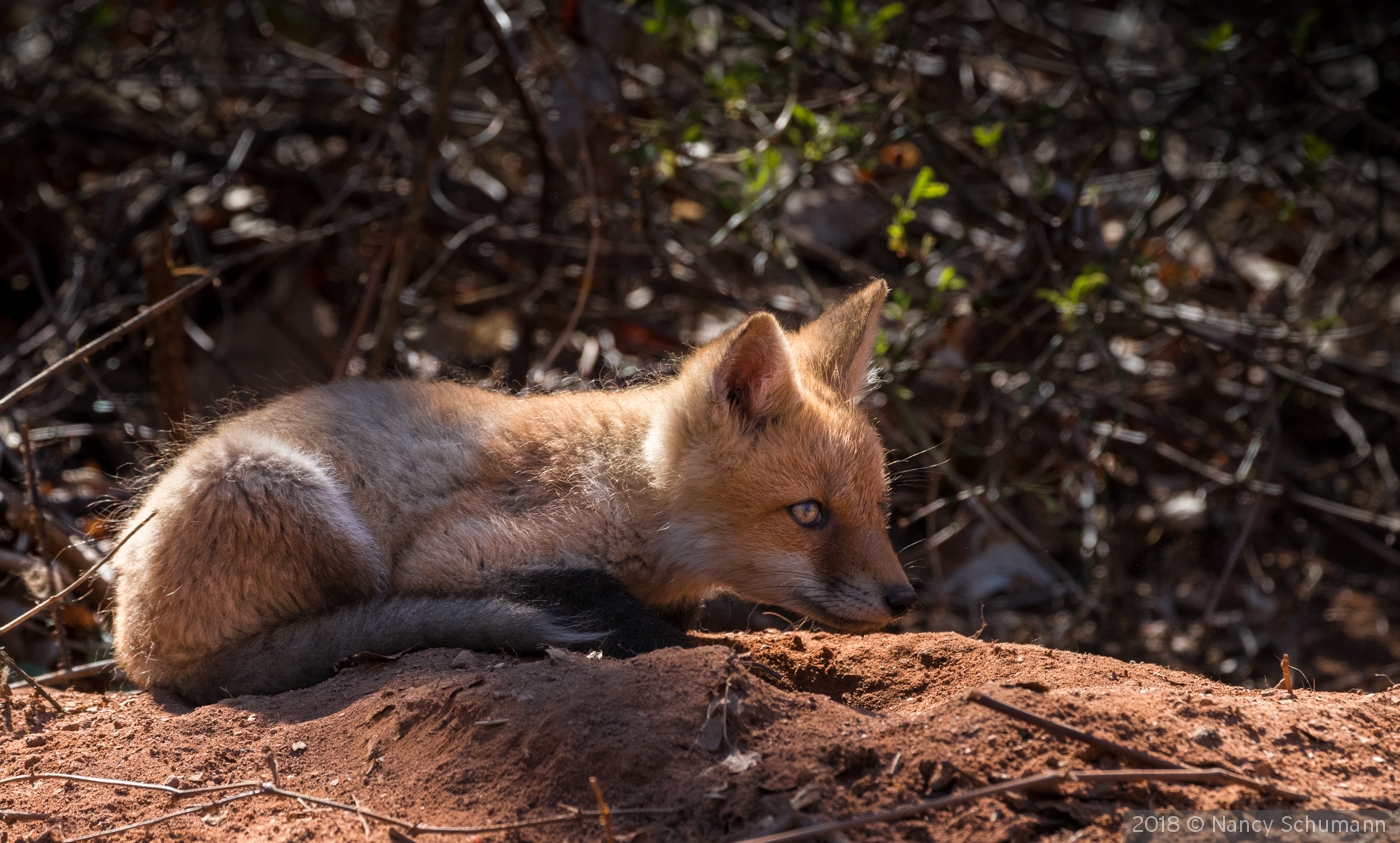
pixel 1039 781
pixel 1136 755
pixel 269 789
pixel 63 677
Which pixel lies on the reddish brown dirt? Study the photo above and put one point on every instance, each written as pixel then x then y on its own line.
pixel 841 726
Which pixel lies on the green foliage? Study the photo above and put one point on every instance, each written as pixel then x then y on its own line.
pixel 844 16
pixel 1081 292
pixel 1326 322
pixel 949 280
pixel 818 136
pixel 760 169
pixel 667 17
pixel 1220 39
pixel 988 136
pixel 730 85
pixel 1315 149
pixel 924 187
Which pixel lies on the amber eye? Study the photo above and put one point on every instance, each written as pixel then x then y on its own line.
pixel 808 514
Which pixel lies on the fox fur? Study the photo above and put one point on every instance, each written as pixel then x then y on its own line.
pixel 387 515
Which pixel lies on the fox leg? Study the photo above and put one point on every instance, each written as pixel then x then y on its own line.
pixel 593 600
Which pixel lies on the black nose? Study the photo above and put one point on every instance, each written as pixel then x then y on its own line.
pixel 899 598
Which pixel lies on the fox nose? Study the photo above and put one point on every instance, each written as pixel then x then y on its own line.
pixel 899 597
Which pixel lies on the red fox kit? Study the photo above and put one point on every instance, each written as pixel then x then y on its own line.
pixel 383 516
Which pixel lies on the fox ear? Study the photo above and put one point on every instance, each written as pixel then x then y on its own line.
pixel 756 371
pixel 838 345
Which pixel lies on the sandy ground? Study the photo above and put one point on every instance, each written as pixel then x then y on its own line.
pixel 736 736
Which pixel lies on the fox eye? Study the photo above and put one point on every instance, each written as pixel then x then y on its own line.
pixel 808 514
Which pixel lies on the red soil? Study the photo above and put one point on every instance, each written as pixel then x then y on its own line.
pixel 735 736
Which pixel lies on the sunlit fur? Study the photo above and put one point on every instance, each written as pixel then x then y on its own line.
pixel 377 509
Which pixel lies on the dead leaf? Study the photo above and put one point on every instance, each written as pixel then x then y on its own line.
pixel 738 762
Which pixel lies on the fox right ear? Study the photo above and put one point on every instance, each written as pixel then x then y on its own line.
pixel 838 346
pixel 756 372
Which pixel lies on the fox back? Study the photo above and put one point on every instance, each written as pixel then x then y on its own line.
pixel 382 516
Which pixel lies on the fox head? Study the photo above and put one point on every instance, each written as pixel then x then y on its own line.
pixel 778 477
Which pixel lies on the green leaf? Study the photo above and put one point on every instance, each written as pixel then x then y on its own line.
pixel 925 187
pixel 886 14
pixel 1219 39
pixel 934 190
pixel 949 279
pixel 1084 285
pixel 989 135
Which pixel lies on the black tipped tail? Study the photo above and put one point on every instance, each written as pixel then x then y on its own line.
pixel 305 652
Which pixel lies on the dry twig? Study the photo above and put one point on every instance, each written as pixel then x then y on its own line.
pixel 1135 755
pixel 270 789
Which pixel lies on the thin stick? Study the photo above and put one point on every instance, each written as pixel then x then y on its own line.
pixel 413 223
pixel 604 815
pixel 1287 680
pixel 39 529
pixel 86 351
pixel 364 823
pixel 82 671
pixel 595 222
pixel 1137 755
pixel 823 829
pixel 271 756
pixel 31 490
pixel 87 575
pixel 204 806
pixel 28 680
pixel 175 792
pixel 1042 780
pixel 167 333
pixel 1247 526
pixel 270 789
pixel 352 340
pixel 1146 759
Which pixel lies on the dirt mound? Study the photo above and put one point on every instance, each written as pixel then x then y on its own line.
pixel 743 735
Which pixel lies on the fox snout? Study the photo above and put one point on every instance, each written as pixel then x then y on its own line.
pixel 869 588
pixel 899 597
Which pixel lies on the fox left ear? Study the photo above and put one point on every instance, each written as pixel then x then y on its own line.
pixel 838 345
pixel 755 373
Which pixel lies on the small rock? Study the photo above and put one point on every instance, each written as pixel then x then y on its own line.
pixel 298 746
pixel 464 660
pixel 35 740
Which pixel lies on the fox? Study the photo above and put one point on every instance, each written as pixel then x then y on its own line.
pixel 383 516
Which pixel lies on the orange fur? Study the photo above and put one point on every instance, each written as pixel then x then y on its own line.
pixel 410 498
